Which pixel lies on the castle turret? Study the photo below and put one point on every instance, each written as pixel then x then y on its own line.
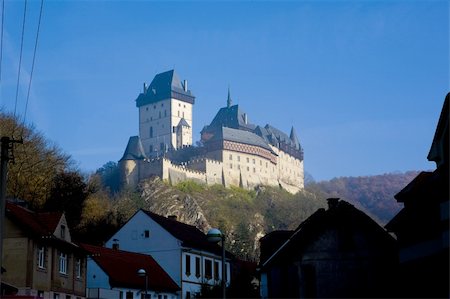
pixel 162 105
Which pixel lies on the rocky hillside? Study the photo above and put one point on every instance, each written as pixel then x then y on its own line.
pixel 244 216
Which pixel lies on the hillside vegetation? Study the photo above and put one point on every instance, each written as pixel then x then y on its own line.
pixel 372 194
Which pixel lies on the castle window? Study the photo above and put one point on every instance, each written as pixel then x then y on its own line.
pixel 151 118
pixel 154 106
pixel 179 105
pixel 254 169
pixel 151 132
pixel 253 161
pixel 159 114
pixel 178 113
pixel 248 160
pixel 231 166
pixel 162 104
pixel 248 168
pixel 146 108
pixel 260 162
pixel 151 148
pixel 184 106
pixel 239 158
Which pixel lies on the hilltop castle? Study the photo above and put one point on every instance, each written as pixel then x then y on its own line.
pixel 234 152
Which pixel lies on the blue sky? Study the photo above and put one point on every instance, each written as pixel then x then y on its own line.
pixel 363 82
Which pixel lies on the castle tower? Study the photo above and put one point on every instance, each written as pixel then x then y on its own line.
pixel 165 114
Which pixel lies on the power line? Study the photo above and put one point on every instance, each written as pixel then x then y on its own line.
pixel 32 66
pixel 20 57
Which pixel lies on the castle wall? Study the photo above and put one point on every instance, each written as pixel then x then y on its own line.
pixel 177 173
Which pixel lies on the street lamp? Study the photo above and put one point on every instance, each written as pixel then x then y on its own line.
pixel 214 235
pixel 143 273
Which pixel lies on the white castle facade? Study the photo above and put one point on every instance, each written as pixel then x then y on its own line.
pixel 234 152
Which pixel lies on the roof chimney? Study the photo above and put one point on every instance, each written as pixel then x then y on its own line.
pixel 115 244
pixel 172 217
pixel 185 85
pixel 145 88
pixel 332 203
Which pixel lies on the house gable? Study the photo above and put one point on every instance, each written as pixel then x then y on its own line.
pixel 144 235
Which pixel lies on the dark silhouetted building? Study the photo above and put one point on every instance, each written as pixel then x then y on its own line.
pixel 338 252
pixel 422 226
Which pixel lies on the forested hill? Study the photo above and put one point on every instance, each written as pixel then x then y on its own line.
pixel 372 194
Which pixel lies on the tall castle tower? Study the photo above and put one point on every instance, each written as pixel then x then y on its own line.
pixel 165 114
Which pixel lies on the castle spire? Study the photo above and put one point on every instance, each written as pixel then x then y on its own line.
pixel 229 101
pixel 294 138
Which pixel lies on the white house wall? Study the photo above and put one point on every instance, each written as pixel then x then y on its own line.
pixel 160 244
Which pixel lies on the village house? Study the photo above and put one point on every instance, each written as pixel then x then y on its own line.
pixel 114 274
pixel 180 249
pixel 335 253
pixel 422 226
pixel 39 257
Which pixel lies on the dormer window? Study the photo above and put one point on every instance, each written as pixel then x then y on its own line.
pixel 63 231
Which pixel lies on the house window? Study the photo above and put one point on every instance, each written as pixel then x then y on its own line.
pixel 188 264
pixel 216 270
pixel 41 257
pixel 62 263
pixel 55 296
pixel 208 269
pixel 130 295
pixel 197 267
pixel 78 268
pixel 188 295
pixel 146 233
pixel 67 296
pixel 63 231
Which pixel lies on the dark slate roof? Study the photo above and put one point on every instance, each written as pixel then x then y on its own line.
pixel 134 150
pixel 189 235
pixel 231 117
pixel 241 136
pixel 165 86
pixel 183 123
pixel 122 266
pixel 342 216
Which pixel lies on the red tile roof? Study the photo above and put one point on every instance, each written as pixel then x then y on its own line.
pixel 122 266
pixel 38 224
pixel 188 234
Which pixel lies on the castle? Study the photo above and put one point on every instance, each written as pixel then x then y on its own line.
pixel 233 151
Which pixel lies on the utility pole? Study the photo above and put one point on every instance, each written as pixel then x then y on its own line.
pixel 5 156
